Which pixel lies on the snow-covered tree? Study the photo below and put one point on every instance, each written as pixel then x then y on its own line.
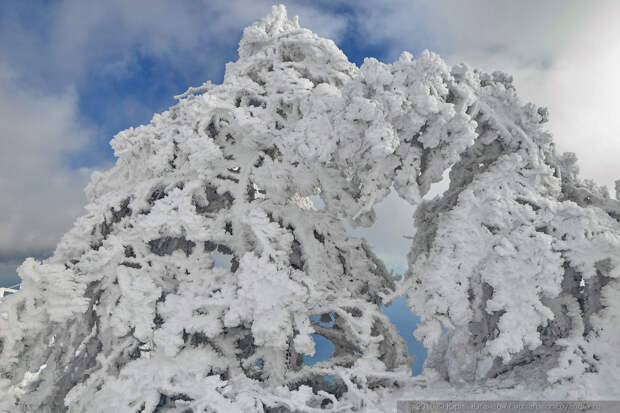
pixel 190 283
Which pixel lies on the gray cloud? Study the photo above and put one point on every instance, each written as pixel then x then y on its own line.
pixel 8 264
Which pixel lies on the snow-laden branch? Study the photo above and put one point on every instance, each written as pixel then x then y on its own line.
pixel 191 281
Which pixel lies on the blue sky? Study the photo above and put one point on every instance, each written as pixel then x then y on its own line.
pixel 73 73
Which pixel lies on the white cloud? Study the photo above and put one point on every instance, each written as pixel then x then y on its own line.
pixel 394 222
pixel 563 54
pixel 74 37
pixel 40 195
pixel 52 49
pixel 581 89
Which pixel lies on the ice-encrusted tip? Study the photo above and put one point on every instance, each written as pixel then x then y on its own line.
pixel 274 25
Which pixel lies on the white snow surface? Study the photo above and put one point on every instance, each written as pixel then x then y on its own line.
pixel 519 259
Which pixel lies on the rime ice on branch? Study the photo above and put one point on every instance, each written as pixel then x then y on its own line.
pixel 519 259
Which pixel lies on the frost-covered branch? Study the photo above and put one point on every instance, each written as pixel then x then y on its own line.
pixel 191 281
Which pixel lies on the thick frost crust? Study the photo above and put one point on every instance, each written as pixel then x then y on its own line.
pixel 189 284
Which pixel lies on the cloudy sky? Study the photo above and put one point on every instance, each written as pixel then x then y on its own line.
pixel 75 72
